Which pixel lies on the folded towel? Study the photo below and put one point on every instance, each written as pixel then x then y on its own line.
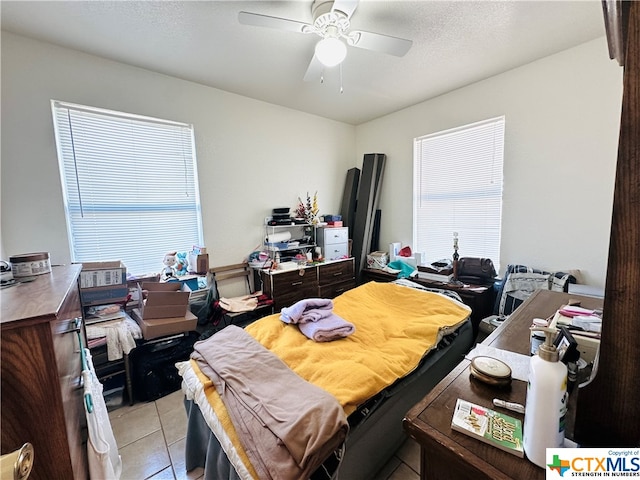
pixel 307 310
pixel 327 329
pixel 313 315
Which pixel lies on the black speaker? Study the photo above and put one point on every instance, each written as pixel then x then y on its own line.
pixel 153 371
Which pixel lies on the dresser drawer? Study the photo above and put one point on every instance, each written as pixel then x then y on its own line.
pixel 295 279
pixel 335 235
pixel 286 288
pixel 336 272
pixel 335 289
pixel 288 298
pixel 66 346
pixel 335 251
pixel 325 280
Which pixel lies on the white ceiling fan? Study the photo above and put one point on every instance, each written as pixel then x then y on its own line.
pixel 331 22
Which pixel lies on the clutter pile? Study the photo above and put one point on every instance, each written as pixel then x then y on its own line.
pixel 111 326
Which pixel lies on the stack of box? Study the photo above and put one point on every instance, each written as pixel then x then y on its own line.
pixel 103 282
pixel 333 220
pixel 164 311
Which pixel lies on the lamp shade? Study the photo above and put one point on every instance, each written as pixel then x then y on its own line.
pixel 331 51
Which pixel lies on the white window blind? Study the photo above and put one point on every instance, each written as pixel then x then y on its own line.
pixel 458 188
pixel 130 186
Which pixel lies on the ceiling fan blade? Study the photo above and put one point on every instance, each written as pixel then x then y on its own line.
pixel 314 71
pixel 345 6
pixel 247 18
pixel 380 43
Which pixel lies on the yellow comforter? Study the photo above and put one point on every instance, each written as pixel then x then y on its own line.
pixel 396 326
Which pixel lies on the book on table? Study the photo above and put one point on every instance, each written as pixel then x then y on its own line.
pixel 494 428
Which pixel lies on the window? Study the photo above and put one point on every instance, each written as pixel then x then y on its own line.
pixel 130 186
pixel 458 188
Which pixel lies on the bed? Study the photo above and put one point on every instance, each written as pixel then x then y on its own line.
pixel 406 339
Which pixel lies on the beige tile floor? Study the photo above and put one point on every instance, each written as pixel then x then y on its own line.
pixel 151 436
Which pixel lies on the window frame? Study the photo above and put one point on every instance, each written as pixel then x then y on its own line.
pixel 101 184
pixel 489 149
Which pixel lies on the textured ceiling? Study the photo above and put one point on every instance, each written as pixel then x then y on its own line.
pixel 455 43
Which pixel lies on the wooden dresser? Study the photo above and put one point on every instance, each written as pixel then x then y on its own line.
pixel 324 280
pixel 42 400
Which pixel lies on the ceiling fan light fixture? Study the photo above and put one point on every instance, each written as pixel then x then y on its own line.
pixel 331 51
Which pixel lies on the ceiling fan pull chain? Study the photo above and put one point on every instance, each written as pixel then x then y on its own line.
pixel 341 89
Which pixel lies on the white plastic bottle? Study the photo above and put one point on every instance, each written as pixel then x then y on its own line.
pixel 546 406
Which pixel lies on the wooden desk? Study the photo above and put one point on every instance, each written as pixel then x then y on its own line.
pixel 453 455
pixel 480 298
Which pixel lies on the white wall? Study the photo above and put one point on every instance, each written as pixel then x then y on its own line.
pixel 252 156
pixel 562 120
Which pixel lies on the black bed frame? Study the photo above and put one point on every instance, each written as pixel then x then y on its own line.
pixel 376 431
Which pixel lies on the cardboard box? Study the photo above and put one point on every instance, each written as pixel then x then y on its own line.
pixel 102 295
pixel 103 274
pixel 163 300
pixel 198 263
pixel 161 327
pixel 377 260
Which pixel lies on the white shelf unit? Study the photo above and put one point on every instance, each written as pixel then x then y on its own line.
pixel 302 239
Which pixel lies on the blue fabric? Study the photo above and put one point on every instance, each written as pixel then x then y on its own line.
pixel 405 269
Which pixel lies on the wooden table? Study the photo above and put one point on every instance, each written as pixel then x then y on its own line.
pixel 453 455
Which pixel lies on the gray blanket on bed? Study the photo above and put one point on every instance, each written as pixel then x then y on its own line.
pixel 286 425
